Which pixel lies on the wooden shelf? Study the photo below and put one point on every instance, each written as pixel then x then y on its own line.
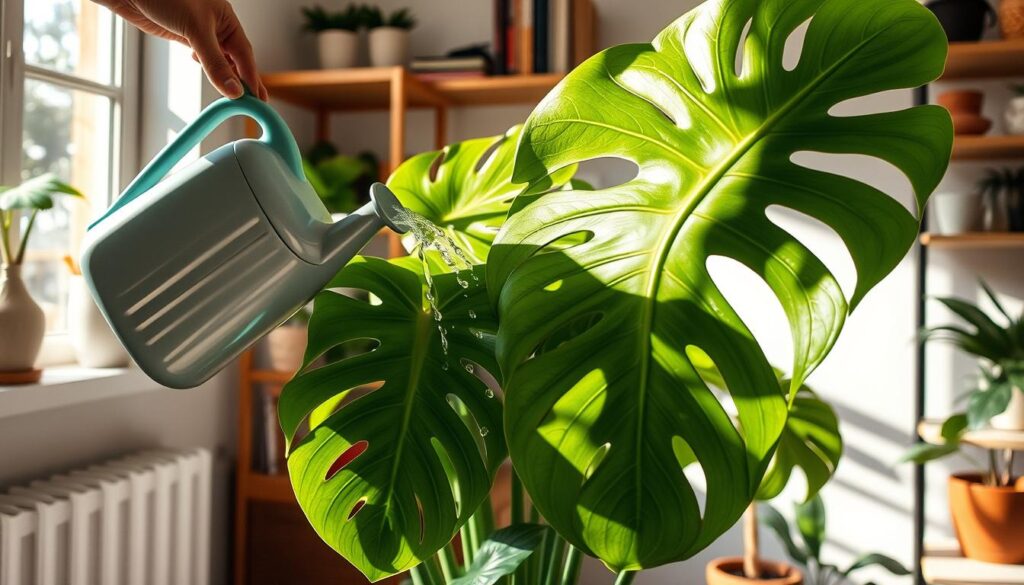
pixel 942 564
pixel 987 147
pixel 271 376
pixel 974 240
pixel 370 88
pixel 984 59
pixel 269 488
pixel 930 431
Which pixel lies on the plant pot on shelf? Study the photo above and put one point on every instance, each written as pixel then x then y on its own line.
pixel 956 213
pixel 1015 115
pixel 389 46
pixel 965 108
pixel 23 325
pixel 1011 419
pixel 729 571
pixel 339 49
pixel 996 214
pixel 963 20
pixel 94 344
pixel 988 520
pixel 1011 19
pixel 286 346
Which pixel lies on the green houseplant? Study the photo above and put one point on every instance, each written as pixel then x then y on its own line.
pixel 576 357
pixel 337 41
pixel 21 319
pixel 389 35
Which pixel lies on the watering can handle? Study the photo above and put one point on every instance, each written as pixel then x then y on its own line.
pixel 276 135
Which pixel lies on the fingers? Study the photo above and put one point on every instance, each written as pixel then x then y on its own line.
pixel 237 46
pixel 215 63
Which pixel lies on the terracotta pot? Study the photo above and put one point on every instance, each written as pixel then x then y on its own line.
pixel 989 521
pixel 1011 19
pixel 21 321
pixel 965 108
pixel 729 571
pixel 286 346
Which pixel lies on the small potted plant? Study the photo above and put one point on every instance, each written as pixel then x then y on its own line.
pixel 388 36
pixel 21 320
pixel 286 345
pixel 337 40
pixel 1015 111
pixel 1000 200
pixel 987 507
pixel 998 400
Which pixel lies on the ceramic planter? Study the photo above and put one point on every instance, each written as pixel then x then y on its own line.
pixel 1015 115
pixel 965 108
pixel 339 49
pixel 729 571
pixel 21 321
pixel 989 521
pixel 1012 419
pixel 956 213
pixel 94 343
pixel 963 20
pixel 1011 19
pixel 389 46
pixel 286 346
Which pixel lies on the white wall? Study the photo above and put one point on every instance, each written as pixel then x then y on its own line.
pixel 870 374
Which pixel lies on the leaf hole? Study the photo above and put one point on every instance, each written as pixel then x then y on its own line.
pixel 419 514
pixel 358 294
pixel 488 154
pixel 607 172
pixel 567 241
pixel 449 470
pixel 568 332
pixel 893 100
pixel 870 170
pixel 346 458
pixel 435 166
pixel 356 508
pixel 469 420
pixel 820 238
pixel 691 470
pixel 741 49
pixel 595 460
pixel 794 46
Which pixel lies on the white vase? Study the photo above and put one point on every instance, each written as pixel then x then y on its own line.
pixel 389 46
pixel 95 345
pixel 286 346
pixel 22 323
pixel 956 213
pixel 338 49
pixel 1015 115
pixel 1012 419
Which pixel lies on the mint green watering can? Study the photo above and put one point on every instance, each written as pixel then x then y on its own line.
pixel 192 269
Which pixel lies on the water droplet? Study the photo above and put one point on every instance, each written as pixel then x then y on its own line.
pixel 472 314
pixel 469 367
pixel 489 393
pixel 484 431
pixel 478 334
pixel 463 283
pixel 444 366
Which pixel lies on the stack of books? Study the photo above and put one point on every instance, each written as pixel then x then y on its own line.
pixel 432 68
pixel 542 36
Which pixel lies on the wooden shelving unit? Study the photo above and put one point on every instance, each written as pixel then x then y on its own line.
pixel 987 147
pixel 974 240
pixel 984 60
pixel 930 431
pixel 942 564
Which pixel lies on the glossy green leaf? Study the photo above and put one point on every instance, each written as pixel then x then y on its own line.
pixel 924 452
pixel 594 425
pixel 877 559
pixel 810 523
pixel 502 553
pixel 774 520
pixel 35 193
pixel 391 475
pixel 984 404
pixel 466 189
pixel 810 441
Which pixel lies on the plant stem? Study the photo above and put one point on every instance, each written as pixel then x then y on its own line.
pixel 1007 467
pixel 625 578
pixel 419 575
pixel 5 237
pixel 571 572
pixel 518 517
pixel 467 547
pixel 449 564
pixel 751 548
pixel 24 237
pixel 436 578
pixel 554 562
pixel 993 479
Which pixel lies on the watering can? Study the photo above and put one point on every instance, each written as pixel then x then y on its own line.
pixel 192 269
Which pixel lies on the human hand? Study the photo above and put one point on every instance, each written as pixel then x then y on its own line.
pixel 210 28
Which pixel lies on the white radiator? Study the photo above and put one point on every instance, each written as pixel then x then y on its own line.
pixel 139 520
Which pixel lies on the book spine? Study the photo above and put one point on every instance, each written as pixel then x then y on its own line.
pixel 541 33
pixel 500 37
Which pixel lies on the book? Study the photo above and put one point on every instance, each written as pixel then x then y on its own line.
pixel 561 30
pixel 441 75
pixel 501 26
pixel 541 30
pixel 584 31
pixel 472 63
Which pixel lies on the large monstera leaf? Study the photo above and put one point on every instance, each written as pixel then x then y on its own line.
pixel 390 476
pixel 599 427
pixel 466 189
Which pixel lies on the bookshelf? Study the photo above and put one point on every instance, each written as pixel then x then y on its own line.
pixel 984 59
pixel 987 147
pixel 974 240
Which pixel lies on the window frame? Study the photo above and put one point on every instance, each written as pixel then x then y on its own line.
pixel 124 135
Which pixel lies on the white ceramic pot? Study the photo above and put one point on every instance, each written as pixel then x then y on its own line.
pixel 22 323
pixel 286 346
pixel 389 46
pixel 956 213
pixel 339 49
pixel 1015 115
pixel 1012 419
pixel 94 343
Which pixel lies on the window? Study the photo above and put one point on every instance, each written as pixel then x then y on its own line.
pixel 68 107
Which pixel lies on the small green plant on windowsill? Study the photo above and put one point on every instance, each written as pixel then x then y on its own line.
pixel 29 199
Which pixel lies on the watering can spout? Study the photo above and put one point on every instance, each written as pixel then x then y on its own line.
pixel 343 239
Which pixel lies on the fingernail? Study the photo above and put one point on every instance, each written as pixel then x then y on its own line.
pixel 233 88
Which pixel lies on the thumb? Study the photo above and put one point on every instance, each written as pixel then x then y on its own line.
pixel 219 71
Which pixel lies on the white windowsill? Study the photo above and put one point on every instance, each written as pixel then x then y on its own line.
pixel 71 385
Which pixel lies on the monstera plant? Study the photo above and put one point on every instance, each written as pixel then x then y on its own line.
pixel 590 356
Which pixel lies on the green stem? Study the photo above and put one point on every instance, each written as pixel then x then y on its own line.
pixel 555 556
pixel 518 516
pixel 448 562
pixel 467 549
pixel 571 572
pixel 419 576
pixel 5 237
pixel 538 560
pixel 436 578
pixel 625 578
pixel 24 237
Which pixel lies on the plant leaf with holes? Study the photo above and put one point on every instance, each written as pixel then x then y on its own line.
pixel 391 475
pixel 810 441
pixel 466 189
pixel 502 553
pixel 595 426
